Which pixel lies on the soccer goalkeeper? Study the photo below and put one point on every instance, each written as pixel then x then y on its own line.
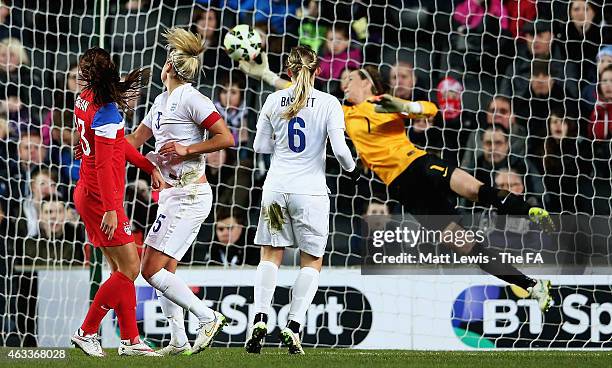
pixel 420 181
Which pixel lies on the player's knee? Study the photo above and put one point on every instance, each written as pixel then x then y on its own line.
pixel 147 272
pixel 271 254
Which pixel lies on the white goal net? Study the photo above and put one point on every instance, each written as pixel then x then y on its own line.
pixel 525 97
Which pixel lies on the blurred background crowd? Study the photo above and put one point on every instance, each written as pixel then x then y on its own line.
pixel 524 90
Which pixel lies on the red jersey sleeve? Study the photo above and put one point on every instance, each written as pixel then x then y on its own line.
pixel 137 159
pixel 104 171
pixel 106 122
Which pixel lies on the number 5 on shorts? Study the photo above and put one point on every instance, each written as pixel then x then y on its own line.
pixel 158 222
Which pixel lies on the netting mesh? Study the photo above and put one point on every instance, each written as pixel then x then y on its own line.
pixel 529 69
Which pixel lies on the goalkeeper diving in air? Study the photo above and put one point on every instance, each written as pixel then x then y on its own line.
pixel 420 181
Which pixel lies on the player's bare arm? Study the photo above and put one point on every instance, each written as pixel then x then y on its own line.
pixel 221 138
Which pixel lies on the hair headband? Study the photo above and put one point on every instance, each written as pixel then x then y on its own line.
pixel 369 78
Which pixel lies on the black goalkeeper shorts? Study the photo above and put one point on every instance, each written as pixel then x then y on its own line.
pixel 424 187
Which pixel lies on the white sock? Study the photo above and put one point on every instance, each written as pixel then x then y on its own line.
pixel 265 283
pixel 176 319
pixel 175 289
pixel 303 292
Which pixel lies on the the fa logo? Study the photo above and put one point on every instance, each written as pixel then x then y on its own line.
pixel 127 228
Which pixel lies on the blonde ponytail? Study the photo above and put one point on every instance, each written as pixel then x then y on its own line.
pixel 303 63
pixel 185 49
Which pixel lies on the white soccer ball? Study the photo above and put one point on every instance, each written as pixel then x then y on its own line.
pixel 242 43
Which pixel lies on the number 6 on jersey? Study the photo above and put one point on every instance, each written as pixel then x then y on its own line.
pixel 294 132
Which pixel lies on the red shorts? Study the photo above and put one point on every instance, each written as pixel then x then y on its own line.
pixel 91 211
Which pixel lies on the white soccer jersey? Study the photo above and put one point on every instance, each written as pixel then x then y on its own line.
pixel 184 116
pixel 298 160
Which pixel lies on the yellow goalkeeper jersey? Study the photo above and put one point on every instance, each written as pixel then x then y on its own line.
pixel 380 140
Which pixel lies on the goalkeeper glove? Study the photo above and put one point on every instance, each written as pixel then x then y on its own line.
pixel 415 109
pixel 259 71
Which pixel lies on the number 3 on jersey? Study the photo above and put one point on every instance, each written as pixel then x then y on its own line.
pixel 84 142
pixel 294 131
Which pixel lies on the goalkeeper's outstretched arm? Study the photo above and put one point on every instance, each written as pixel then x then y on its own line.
pixel 262 72
pixel 414 109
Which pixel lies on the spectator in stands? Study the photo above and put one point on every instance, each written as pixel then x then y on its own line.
pixel 60 241
pixel 402 81
pixel 600 126
pixel 495 157
pixel 206 23
pixel 581 38
pixel 279 15
pixel 511 179
pixel 338 53
pixel 14 74
pixel 43 184
pixel 495 144
pixel 135 5
pixel 562 164
pixel 32 156
pixel 453 121
pixel 9 26
pixel 514 233
pixel 519 13
pixel 544 95
pixel 477 36
pixel 499 113
pixel 57 125
pixel 15 78
pixel 538 45
pixel 589 93
pixel 377 215
pixel 8 148
pixel 231 246
pixel 12 106
pixel 230 181
pixel 231 105
pixel 313 28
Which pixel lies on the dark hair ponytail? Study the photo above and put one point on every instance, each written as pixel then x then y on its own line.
pixel 100 75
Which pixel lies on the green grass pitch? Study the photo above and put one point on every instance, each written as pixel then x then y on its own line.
pixel 334 358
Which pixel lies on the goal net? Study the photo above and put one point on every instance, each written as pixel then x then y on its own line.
pixel 517 88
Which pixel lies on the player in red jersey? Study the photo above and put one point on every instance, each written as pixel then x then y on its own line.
pixel 99 196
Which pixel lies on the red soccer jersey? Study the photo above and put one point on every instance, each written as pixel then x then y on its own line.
pixel 101 129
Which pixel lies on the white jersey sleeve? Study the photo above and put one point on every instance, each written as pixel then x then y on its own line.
pixel 336 116
pixel 264 142
pixel 335 132
pixel 201 110
pixel 147 120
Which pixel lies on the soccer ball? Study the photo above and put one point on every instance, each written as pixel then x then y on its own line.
pixel 242 43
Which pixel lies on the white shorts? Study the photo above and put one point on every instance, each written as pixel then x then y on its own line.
pixel 180 214
pixel 305 222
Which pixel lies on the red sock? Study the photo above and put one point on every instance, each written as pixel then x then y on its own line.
pixel 102 303
pixel 116 293
pixel 126 310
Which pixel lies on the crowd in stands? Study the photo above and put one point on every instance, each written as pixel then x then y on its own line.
pixel 524 90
